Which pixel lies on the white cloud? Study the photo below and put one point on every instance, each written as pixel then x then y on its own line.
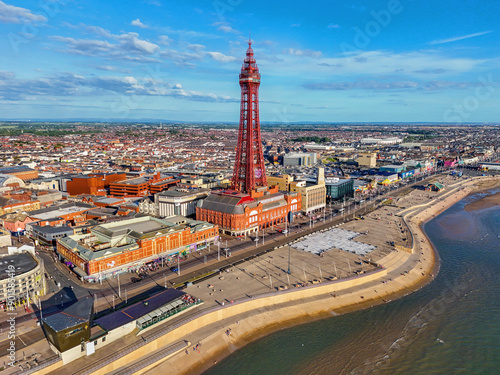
pixel 220 57
pixel 132 40
pixel 223 26
pixel 68 84
pixel 110 68
pixel 94 30
pixel 86 46
pixel 333 26
pixel 409 63
pixel 138 23
pixel 196 47
pixel 181 58
pixel 153 2
pixel 164 40
pixel 455 39
pixel 302 52
pixel 228 29
pixel 384 84
pixel 123 47
pixel 13 14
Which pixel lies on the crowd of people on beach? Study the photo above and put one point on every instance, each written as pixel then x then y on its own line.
pixel 196 348
pixel 189 299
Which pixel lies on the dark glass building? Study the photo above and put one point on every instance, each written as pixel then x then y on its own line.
pixel 338 188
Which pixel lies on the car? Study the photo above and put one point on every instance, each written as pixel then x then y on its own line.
pixel 174 269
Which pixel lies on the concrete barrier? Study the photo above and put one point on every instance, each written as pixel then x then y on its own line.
pixel 234 310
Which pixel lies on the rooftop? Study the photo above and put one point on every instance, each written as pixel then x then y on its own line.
pixel 137 310
pixel 23 263
pixel 16 169
pixel 116 237
pixel 57 211
pixel 78 313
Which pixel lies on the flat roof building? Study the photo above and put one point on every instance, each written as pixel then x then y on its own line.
pixel 73 333
pixel 21 279
pixel 367 159
pixel 142 186
pixel 178 201
pixel 67 211
pixel 299 159
pixel 22 171
pixel 338 188
pixel 94 183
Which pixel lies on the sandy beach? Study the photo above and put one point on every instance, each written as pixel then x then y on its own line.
pixel 486 202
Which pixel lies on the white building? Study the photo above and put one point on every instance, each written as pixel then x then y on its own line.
pixel 382 141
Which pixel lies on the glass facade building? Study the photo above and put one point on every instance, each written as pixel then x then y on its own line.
pixel 339 188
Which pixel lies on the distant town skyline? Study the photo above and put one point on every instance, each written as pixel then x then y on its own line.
pixel 361 61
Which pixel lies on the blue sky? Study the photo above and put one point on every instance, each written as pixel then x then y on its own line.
pixel 331 61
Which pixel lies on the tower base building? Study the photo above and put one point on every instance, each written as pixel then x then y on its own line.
pixel 239 214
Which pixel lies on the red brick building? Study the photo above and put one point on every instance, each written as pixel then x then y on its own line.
pixel 142 186
pixel 127 245
pixel 15 222
pixel 8 204
pixel 238 214
pixel 94 184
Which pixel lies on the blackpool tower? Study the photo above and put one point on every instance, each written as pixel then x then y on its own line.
pixel 249 171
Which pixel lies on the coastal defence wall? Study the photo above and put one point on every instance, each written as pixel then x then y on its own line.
pixel 240 308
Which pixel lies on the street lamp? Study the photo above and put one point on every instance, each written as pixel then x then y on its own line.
pixel 179 264
pixel 289 257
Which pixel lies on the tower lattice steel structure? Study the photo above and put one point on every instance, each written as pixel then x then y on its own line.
pixel 249 171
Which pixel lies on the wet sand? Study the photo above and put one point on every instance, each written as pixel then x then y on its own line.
pixel 483 203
